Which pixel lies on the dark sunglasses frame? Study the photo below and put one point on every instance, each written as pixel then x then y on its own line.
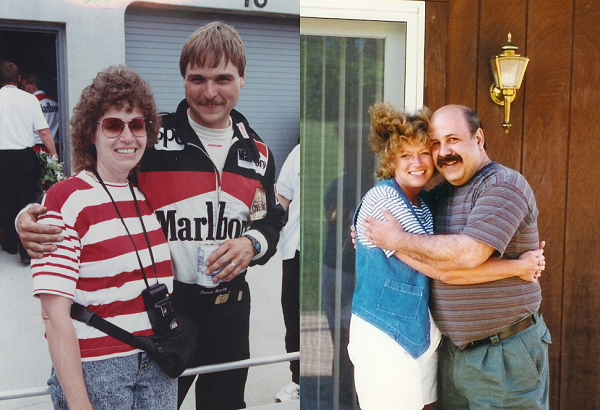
pixel 121 127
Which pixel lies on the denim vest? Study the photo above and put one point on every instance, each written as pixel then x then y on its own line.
pixel 391 295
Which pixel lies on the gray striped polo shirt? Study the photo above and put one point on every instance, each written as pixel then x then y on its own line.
pixel 496 207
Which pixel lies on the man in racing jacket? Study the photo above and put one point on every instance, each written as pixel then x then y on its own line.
pixel 195 204
pixel 211 182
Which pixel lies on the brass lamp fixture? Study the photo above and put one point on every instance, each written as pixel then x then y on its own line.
pixel 508 69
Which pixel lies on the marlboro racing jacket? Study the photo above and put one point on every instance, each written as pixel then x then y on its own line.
pixel 194 206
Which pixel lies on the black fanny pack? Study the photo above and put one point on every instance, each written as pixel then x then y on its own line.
pixel 172 351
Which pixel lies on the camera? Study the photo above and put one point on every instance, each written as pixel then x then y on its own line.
pixel 160 309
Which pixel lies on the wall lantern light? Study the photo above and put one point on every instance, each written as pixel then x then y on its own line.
pixel 508 69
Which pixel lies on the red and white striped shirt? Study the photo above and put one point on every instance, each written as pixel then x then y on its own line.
pixel 96 264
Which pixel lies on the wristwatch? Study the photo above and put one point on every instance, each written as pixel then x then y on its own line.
pixel 255 244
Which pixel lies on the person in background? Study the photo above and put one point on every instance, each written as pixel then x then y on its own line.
pixel 20 116
pixel 288 192
pixel 109 230
pixel 338 280
pixel 393 339
pixel 31 83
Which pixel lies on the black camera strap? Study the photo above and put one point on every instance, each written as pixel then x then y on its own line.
pixel 83 314
pixel 127 230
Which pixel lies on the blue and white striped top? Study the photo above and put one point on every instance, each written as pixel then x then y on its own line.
pixel 385 197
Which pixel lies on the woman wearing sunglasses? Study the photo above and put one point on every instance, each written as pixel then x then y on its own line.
pixel 110 237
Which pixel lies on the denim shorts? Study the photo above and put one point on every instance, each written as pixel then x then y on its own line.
pixel 511 374
pixel 119 383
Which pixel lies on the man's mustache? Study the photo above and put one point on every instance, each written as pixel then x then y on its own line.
pixel 448 158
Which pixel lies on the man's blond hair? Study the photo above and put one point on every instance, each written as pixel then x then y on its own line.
pixel 212 44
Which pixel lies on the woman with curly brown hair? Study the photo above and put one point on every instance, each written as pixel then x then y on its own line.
pixel 393 339
pixel 110 236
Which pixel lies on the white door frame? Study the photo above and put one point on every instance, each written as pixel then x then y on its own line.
pixel 410 12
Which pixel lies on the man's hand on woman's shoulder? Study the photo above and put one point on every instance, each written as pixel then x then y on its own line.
pixel 36 238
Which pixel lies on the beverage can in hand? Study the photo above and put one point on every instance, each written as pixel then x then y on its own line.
pixel 204 251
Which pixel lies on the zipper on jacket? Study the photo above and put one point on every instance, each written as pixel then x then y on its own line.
pixel 218 181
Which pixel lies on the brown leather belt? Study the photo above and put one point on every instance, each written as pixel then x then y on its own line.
pixel 506 333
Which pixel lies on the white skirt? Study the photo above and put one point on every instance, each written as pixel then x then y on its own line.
pixel 387 377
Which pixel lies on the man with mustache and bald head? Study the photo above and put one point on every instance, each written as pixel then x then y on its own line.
pixel 495 354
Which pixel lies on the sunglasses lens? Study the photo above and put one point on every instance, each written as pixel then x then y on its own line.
pixel 138 127
pixel 112 127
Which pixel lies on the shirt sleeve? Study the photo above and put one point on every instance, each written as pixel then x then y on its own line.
pixel 268 228
pixel 285 182
pixel 375 200
pixel 496 216
pixel 57 272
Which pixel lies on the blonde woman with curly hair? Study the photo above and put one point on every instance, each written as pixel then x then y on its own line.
pixel 393 339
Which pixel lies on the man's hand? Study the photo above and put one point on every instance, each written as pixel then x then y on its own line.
pixel 385 234
pixel 234 255
pixel 33 234
pixel 534 263
pixel 46 137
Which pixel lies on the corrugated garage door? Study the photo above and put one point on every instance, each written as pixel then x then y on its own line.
pixel 271 97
